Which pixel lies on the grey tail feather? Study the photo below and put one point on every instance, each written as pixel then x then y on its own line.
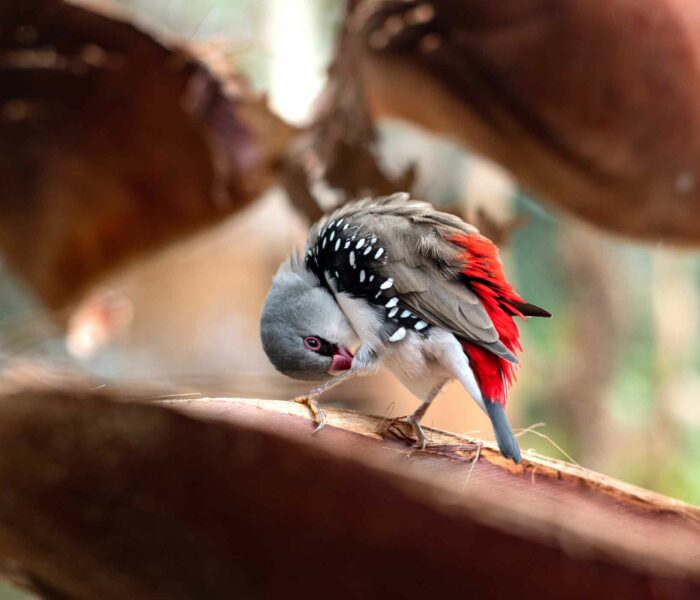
pixel 504 434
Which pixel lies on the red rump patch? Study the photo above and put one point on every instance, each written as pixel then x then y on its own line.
pixel 482 266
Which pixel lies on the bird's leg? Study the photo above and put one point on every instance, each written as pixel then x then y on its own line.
pixel 365 362
pixel 310 399
pixel 312 403
pixel 414 421
pixel 414 418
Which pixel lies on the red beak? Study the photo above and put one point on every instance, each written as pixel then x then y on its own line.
pixel 342 360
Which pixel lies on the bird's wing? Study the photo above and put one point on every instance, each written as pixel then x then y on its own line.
pixel 427 268
pixel 439 297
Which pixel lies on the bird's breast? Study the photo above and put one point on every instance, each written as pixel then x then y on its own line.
pixel 364 317
pixel 408 358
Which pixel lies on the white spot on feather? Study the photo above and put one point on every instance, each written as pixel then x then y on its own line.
pixel 393 302
pixel 352 258
pixel 405 313
pixel 362 276
pixel 368 249
pixel 393 311
pixel 332 235
pixel 420 325
pixel 379 253
pixel 337 244
pixel 399 334
pixel 360 244
pixel 387 284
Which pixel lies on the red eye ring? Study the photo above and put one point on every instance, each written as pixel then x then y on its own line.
pixel 312 343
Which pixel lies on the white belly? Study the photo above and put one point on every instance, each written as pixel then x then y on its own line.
pixel 420 362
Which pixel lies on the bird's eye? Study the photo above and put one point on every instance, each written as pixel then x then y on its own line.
pixel 312 343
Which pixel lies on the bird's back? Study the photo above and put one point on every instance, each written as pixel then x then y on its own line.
pixel 421 268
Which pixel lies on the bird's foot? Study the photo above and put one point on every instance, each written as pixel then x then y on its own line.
pixel 312 404
pixel 414 422
pixel 418 440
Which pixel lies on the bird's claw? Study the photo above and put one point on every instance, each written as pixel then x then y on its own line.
pixel 312 404
pixel 419 442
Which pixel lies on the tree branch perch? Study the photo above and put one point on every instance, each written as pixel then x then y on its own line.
pixel 222 497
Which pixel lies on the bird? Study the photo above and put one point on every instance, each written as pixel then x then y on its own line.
pixel 391 281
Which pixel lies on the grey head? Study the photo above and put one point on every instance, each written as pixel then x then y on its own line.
pixel 304 333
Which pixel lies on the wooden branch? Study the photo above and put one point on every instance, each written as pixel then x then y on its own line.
pixel 566 94
pixel 338 151
pixel 226 498
pixel 114 143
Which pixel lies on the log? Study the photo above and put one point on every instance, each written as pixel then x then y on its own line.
pixel 566 94
pixel 104 495
pixel 114 143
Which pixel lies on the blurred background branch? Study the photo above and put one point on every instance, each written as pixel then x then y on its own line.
pixel 113 144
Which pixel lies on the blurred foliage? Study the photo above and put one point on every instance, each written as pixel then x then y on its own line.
pixel 662 457
pixel 8 592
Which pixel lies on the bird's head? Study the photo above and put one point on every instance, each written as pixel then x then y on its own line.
pixel 304 333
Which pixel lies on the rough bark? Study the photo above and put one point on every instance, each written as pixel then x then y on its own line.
pixel 227 498
pixel 593 105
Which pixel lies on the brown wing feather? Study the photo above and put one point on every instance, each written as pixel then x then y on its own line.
pixel 425 266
